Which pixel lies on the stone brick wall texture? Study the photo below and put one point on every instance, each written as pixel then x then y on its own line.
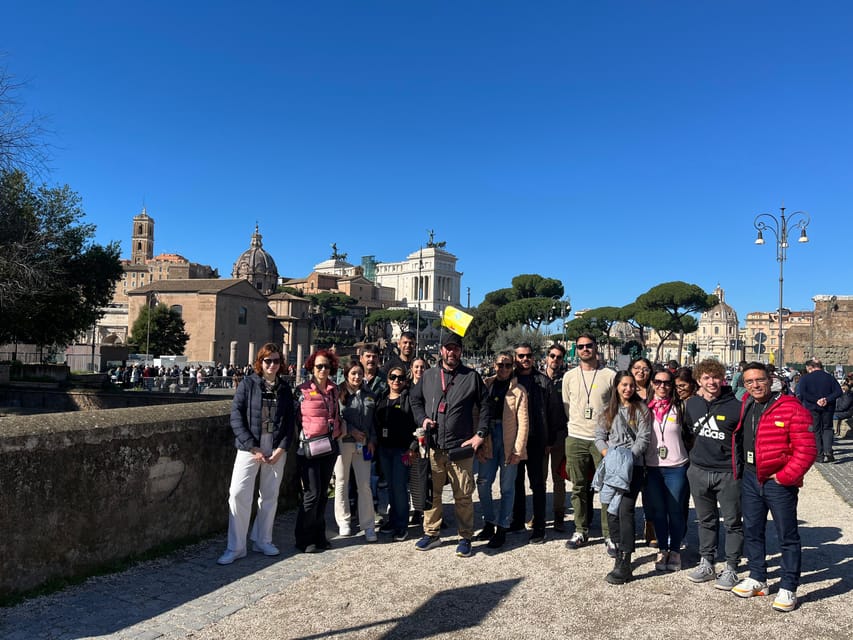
pixel 84 489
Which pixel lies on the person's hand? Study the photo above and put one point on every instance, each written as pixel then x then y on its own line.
pixel 603 452
pixel 257 454
pixel 358 435
pixel 371 447
pixel 406 457
pixel 275 457
pixel 475 441
pixel 514 458
pixel 429 423
pixel 821 402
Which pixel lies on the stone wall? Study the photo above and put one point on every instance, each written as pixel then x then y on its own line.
pixel 831 337
pixel 83 490
pixel 29 396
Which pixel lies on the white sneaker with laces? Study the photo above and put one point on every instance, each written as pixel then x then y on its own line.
pixel 748 587
pixel 785 601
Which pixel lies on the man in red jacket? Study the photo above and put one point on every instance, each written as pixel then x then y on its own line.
pixel 778 450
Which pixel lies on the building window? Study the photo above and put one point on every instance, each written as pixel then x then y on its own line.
pixel 716 331
pixel 243 316
pixel 177 308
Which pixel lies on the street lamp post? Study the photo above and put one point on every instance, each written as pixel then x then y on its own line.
pixel 780 226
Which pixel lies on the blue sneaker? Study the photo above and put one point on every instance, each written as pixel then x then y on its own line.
pixel 427 542
pixel 463 549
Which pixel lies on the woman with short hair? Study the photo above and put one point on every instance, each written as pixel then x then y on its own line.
pixel 262 420
pixel 319 418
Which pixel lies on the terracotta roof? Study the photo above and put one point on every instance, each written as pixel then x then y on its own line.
pixel 196 285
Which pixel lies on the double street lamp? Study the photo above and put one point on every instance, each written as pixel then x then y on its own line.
pixel 780 227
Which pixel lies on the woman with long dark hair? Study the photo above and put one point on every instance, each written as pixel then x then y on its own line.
pixel 357 444
pixel 666 471
pixel 395 428
pixel 319 418
pixel 263 425
pixel 622 436
pixel 641 370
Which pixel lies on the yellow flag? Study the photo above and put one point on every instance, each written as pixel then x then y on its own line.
pixel 455 320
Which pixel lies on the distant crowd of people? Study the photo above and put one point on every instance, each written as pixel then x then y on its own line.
pixel 665 433
pixel 195 376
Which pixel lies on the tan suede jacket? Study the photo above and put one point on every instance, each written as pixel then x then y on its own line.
pixel 516 423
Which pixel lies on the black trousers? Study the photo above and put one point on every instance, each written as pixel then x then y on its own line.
pixel 534 466
pixel 315 475
pixel 622 528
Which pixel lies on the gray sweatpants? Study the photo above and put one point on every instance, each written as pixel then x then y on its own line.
pixel 710 489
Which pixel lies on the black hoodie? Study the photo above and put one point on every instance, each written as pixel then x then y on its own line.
pixel 713 423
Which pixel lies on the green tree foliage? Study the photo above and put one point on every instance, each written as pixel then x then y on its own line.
pixel 507 339
pixel 582 325
pixel 328 307
pixel 667 309
pixel 54 280
pixel 384 318
pixel 166 330
pixel 528 303
pixel 283 288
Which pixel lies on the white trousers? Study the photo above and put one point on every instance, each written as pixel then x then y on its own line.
pixel 240 500
pixel 350 458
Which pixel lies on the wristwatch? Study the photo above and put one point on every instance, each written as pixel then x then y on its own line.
pixel 481 433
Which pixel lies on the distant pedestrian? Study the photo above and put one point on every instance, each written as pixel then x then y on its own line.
pixel 818 392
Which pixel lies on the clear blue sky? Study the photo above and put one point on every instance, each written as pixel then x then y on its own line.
pixel 613 145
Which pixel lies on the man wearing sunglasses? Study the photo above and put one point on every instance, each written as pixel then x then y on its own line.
pixel 443 403
pixel 586 392
pixel 555 455
pixel 546 417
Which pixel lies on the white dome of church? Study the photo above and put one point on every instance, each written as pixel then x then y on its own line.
pixel 257 266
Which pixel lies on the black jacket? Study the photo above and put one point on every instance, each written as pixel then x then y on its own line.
pixel 465 391
pixel 545 407
pixel 246 414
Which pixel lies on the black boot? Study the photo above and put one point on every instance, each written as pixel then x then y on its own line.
pixel 621 569
pixel 487 532
pixel 498 539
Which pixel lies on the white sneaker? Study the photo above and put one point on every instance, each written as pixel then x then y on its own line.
pixel 748 587
pixel 785 601
pixel 267 548
pixel 345 531
pixel 370 535
pixel 230 556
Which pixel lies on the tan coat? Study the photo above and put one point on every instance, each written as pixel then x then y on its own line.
pixel 516 423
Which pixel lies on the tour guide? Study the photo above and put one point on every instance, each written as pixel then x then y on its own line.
pixel 443 403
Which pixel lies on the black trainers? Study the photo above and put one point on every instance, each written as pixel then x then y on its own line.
pixel 537 537
pixel 487 532
pixel 498 539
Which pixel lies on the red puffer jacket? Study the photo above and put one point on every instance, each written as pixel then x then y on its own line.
pixel 783 445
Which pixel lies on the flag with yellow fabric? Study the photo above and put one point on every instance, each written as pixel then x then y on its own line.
pixel 455 320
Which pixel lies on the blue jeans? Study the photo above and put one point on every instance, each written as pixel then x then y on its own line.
pixel 397 477
pixel 663 497
pixel 486 477
pixel 781 502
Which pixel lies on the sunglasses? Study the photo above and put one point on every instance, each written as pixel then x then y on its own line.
pixel 393 377
pixel 668 383
pixel 555 356
pixel 504 365
pixel 585 345
pixel 523 356
pixel 322 366
pixel 269 361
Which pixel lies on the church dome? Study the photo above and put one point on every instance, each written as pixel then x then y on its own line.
pixel 257 266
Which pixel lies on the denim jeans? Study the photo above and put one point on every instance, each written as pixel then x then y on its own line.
pixel 663 498
pixel 397 477
pixel 781 502
pixel 486 477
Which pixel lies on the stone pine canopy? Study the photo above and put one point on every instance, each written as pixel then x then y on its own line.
pixel 257 266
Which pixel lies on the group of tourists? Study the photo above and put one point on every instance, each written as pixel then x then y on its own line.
pixel 661 433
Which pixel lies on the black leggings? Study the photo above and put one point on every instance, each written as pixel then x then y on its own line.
pixel 315 475
pixel 622 530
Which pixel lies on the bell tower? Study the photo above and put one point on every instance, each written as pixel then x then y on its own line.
pixel 142 238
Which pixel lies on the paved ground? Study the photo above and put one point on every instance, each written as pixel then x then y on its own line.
pixel 388 590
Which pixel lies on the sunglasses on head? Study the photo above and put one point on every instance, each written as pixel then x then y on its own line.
pixel 394 377
pixel 269 361
pixel 322 366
